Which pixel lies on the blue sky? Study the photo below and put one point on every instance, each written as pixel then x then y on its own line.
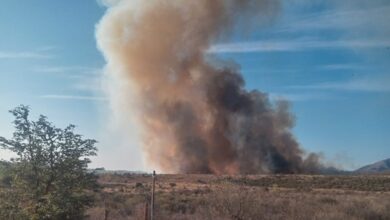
pixel 329 58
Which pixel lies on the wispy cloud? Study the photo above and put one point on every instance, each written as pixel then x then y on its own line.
pixel 359 24
pixel 48 48
pixel 108 3
pixel 74 97
pixel 83 78
pixel 89 84
pixel 344 17
pixel 296 45
pixel 24 55
pixel 69 70
pixel 378 84
pixel 344 66
pixel 298 97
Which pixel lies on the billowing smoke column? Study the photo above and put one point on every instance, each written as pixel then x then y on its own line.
pixel 195 117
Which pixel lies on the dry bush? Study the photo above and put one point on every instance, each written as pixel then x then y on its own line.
pixel 232 202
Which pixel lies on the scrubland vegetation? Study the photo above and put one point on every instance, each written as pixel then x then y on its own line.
pixel 244 197
pixel 48 179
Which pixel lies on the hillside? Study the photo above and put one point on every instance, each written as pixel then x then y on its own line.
pixel 378 167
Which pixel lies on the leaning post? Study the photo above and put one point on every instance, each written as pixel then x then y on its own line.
pixel 152 202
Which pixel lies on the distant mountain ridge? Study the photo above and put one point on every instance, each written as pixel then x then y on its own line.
pixel 382 166
pixel 120 172
pixel 379 167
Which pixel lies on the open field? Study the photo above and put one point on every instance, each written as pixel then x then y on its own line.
pixel 244 197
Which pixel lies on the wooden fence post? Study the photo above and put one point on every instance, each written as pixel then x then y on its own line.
pixel 106 209
pixel 152 203
pixel 146 211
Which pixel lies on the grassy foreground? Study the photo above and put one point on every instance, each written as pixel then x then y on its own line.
pixel 244 197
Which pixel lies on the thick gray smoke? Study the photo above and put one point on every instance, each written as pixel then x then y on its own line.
pixel 194 117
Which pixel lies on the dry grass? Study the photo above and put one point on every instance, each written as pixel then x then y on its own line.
pixel 245 197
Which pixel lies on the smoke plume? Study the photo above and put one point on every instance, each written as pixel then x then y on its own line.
pixel 195 117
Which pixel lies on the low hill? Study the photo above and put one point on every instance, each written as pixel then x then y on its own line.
pixel 378 167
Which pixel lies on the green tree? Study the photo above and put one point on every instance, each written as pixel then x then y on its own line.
pixel 5 177
pixel 49 176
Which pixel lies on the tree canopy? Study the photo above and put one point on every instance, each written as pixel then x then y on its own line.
pixel 49 178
